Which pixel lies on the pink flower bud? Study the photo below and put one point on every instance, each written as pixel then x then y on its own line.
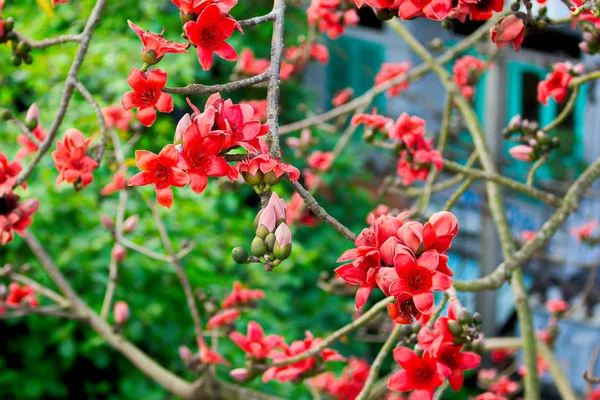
pixel 239 374
pixel 411 235
pixel 268 218
pixel 118 253
pixel 185 353
pixel 278 206
pixel 283 235
pixel 183 123
pixel 521 152
pixel 107 222
pixel 130 223
pixel 588 36
pixel 121 312
pixel 510 29
pixel 584 46
pixel 33 114
pixel 579 68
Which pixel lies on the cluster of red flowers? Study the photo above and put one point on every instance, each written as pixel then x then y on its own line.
pixel 71 160
pixel 18 296
pixel 466 72
pixel 584 232
pixel 434 9
pixel 404 259
pixel 417 154
pixel 295 58
pixel 556 84
pixel 389 71
pixel 331 16
pixel 201 140
pixel 348 385
pixel 238 297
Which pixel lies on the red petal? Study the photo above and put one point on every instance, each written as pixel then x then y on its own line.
pixel 165 197
pixel 157 78
pixel 164 103
pixel 146 115
pixel 145 160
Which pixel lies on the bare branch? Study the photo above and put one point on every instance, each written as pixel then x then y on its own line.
pixel 42 44
pixel 274 78
pixel 90 99
pixel 197 88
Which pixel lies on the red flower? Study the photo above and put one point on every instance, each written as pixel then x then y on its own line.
pixel 208 356
pixel 8 174
pixel 348 385
pixel 379 211
pixel 200 157
pixel 415 165
pixel 585 231
pixel 455 362
pixel 480 10
pixel 161 171
pixel 374 120
pixel 241 296
pixel 528 235
pixel 320 160
pixel 224 317
pixel 155 45
pixel 408 129
pixel 15 216
pixel 71 161
pixel 490 396
pixel 256 344
pixel 418 278
pixel 342 97
pixel 466 72
pixel 259 107
pixel 114 116
pixel 118 183
pixel 423 375
pixel 250 65
pixel 329 17
pixel 55 2
pixel 556 306
pixel 504 386
pixel 18 295
pixel 556 84
pixel 509 29
pixel 147 95
pixel 440 230
pixel 365 277
pixel 296 370
pixel 265 165
pixel 296 211
pixel 209 33
pixel 391 71
pixel 197 6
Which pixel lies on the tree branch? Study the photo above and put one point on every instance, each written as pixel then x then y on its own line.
pixel 197 88
pixel 90 99
pixel 274 78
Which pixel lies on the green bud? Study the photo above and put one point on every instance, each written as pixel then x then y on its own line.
pixel 270 241
pixel 262 232
pixel 465 316
pixel 5 114
pixel 149 57
pixel 257 218
pixel 384 14
pixel 406 330
pixel 22 48
pixel 281 253
pixel 416 327
pixel 28 59
pixel 187 17
pixel 477 319
pixel 9 24
pixel 446 24
pixel 253 180
pixel 15 60
pixel 239 255
pixel 31 124
pixel 271 179
pixel 455 328
pixel 258 247
pixel 459 340
pixel 542 25
pixel 515 6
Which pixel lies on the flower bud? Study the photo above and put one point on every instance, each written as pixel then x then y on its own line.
pixel 118 253
pixel 107 222
pixel 149 57
pixel 384 14
pixel 283 242
pixel 186 17
pixel 278 206
pixel 239 374
pixel 588 36
pixel 185 353
pixel 477 319
pixel 239 255
pixel 579 68
pixel 9 24
pixel 270 242
pixel 130 223
pixel 33 114
pixel 465 316
pixel 455 328
pixel 271 179
pixel 22 48
pixel 15 60
pixel 584 46
pixel 253 180
pixel 5 114
pixel 121 312
pixel 515 122
pixel 182 125
pixel 521 152
pixel 258 247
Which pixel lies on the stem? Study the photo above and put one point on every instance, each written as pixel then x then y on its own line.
pixel 196 88
pixel 274 78
pixel 103 136
pixel 25 130
pixel 376 366
pixel 565 111
pixel 459 192
pixel 534 168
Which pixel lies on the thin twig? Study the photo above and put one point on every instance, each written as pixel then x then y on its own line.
pixel 534 168
pixel 25 130
pixel 197 88
pixel 42 44
pixel 90 99
pixel 257 20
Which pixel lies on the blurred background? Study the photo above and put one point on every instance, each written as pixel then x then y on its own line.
pixel 58 359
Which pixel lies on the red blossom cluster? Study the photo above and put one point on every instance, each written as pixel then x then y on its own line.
pixel 71 160
pixel 434 9
pixel 201 140
pixel 19 296
pixel 389 71
pixel 342 97
pixel 466 72
pixel 332 16
pixel 556 83
pixel 348 385
pixel 584 232
pixel 404 259
pixel 417 154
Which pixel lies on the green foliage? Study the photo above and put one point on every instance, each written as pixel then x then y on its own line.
pixel 65 359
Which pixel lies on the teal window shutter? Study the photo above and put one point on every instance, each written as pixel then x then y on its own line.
pixel 354 63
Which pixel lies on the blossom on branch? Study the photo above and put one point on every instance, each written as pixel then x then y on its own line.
pixel 9 171
pixel 27 145
pixel 71 159
pixel 240 296
pixel 391 71
pixel 556 83
pixel 255 343
pixel 15 216
pixel 209 33
pixel 116 117
pixel 508 30
pixel 155 45
pixel 147 96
